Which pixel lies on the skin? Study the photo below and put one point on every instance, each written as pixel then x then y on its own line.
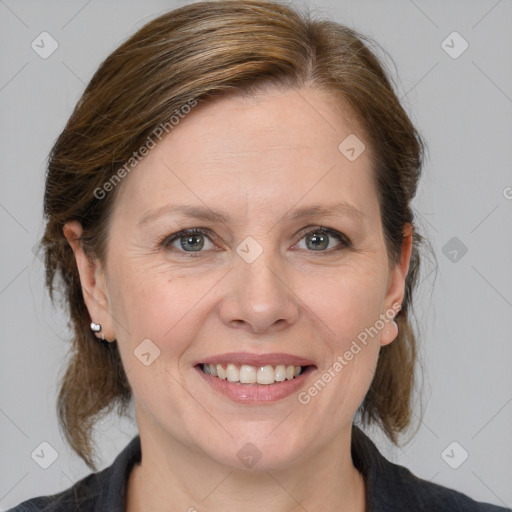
pixel 257 159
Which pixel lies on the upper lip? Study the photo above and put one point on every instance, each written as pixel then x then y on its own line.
pixel 256 359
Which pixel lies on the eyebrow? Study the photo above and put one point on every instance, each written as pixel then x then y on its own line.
pixel 207 214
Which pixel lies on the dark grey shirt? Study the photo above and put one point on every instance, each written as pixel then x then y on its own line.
pixel 389 487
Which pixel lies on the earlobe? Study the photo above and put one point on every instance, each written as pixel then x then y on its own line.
pixel 389 334
pixel 91 279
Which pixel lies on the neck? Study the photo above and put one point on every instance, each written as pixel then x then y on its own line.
pixel 178 478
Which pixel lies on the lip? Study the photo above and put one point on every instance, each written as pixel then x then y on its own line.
pixel 240 358
pixel 256 394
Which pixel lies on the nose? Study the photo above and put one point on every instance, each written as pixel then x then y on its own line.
pixel 258 297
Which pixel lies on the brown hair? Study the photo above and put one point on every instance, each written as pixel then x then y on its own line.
pixel 196 53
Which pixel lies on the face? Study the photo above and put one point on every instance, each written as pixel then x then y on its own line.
pixel 247 238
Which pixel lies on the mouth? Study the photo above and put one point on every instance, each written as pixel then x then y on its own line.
pixel 248 374
pixel 255 379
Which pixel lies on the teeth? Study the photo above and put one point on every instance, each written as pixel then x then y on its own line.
pixel 280 372
pixel 232 373
pixel 266 375
pixel 221 373
pixel 246 374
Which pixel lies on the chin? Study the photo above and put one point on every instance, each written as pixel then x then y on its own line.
pixel 258 452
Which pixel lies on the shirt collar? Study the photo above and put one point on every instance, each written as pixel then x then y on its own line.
pixel 113 495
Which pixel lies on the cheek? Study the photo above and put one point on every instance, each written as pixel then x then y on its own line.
pixel 152 302
pixel 348 302
pixel 144 296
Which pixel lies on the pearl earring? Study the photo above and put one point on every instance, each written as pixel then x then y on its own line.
pixel 96 328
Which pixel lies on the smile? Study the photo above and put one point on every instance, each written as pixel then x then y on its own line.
pixel 247 374
pixel 255 379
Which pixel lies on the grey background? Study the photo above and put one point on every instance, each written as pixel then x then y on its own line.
pixel 462 107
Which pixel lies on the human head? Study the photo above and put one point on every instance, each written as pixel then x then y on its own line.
pixel 170 63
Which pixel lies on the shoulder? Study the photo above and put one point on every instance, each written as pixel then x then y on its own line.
pixel 394 488
pixel 104 490
pixel 80 497
pixel 424 495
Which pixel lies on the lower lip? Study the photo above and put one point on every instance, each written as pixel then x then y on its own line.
pixel 256 393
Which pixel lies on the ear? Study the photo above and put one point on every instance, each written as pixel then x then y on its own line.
pixel 92 279
pixel 396 285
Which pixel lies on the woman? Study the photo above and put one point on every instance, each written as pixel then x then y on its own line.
pixel 229 210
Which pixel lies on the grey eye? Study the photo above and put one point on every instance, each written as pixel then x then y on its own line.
pixel 321 239
pixel 189 241
pixel 192 242
pixel 317 241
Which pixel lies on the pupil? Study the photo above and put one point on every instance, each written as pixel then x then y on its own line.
pixel 194 242
pixel 319 241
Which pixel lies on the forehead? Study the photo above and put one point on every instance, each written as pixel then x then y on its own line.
pixel 255 153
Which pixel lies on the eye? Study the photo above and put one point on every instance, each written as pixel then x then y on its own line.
pixel 196 240
pixel 188 240
pixel 321 240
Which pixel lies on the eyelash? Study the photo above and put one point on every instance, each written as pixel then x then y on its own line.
pixel 345 242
